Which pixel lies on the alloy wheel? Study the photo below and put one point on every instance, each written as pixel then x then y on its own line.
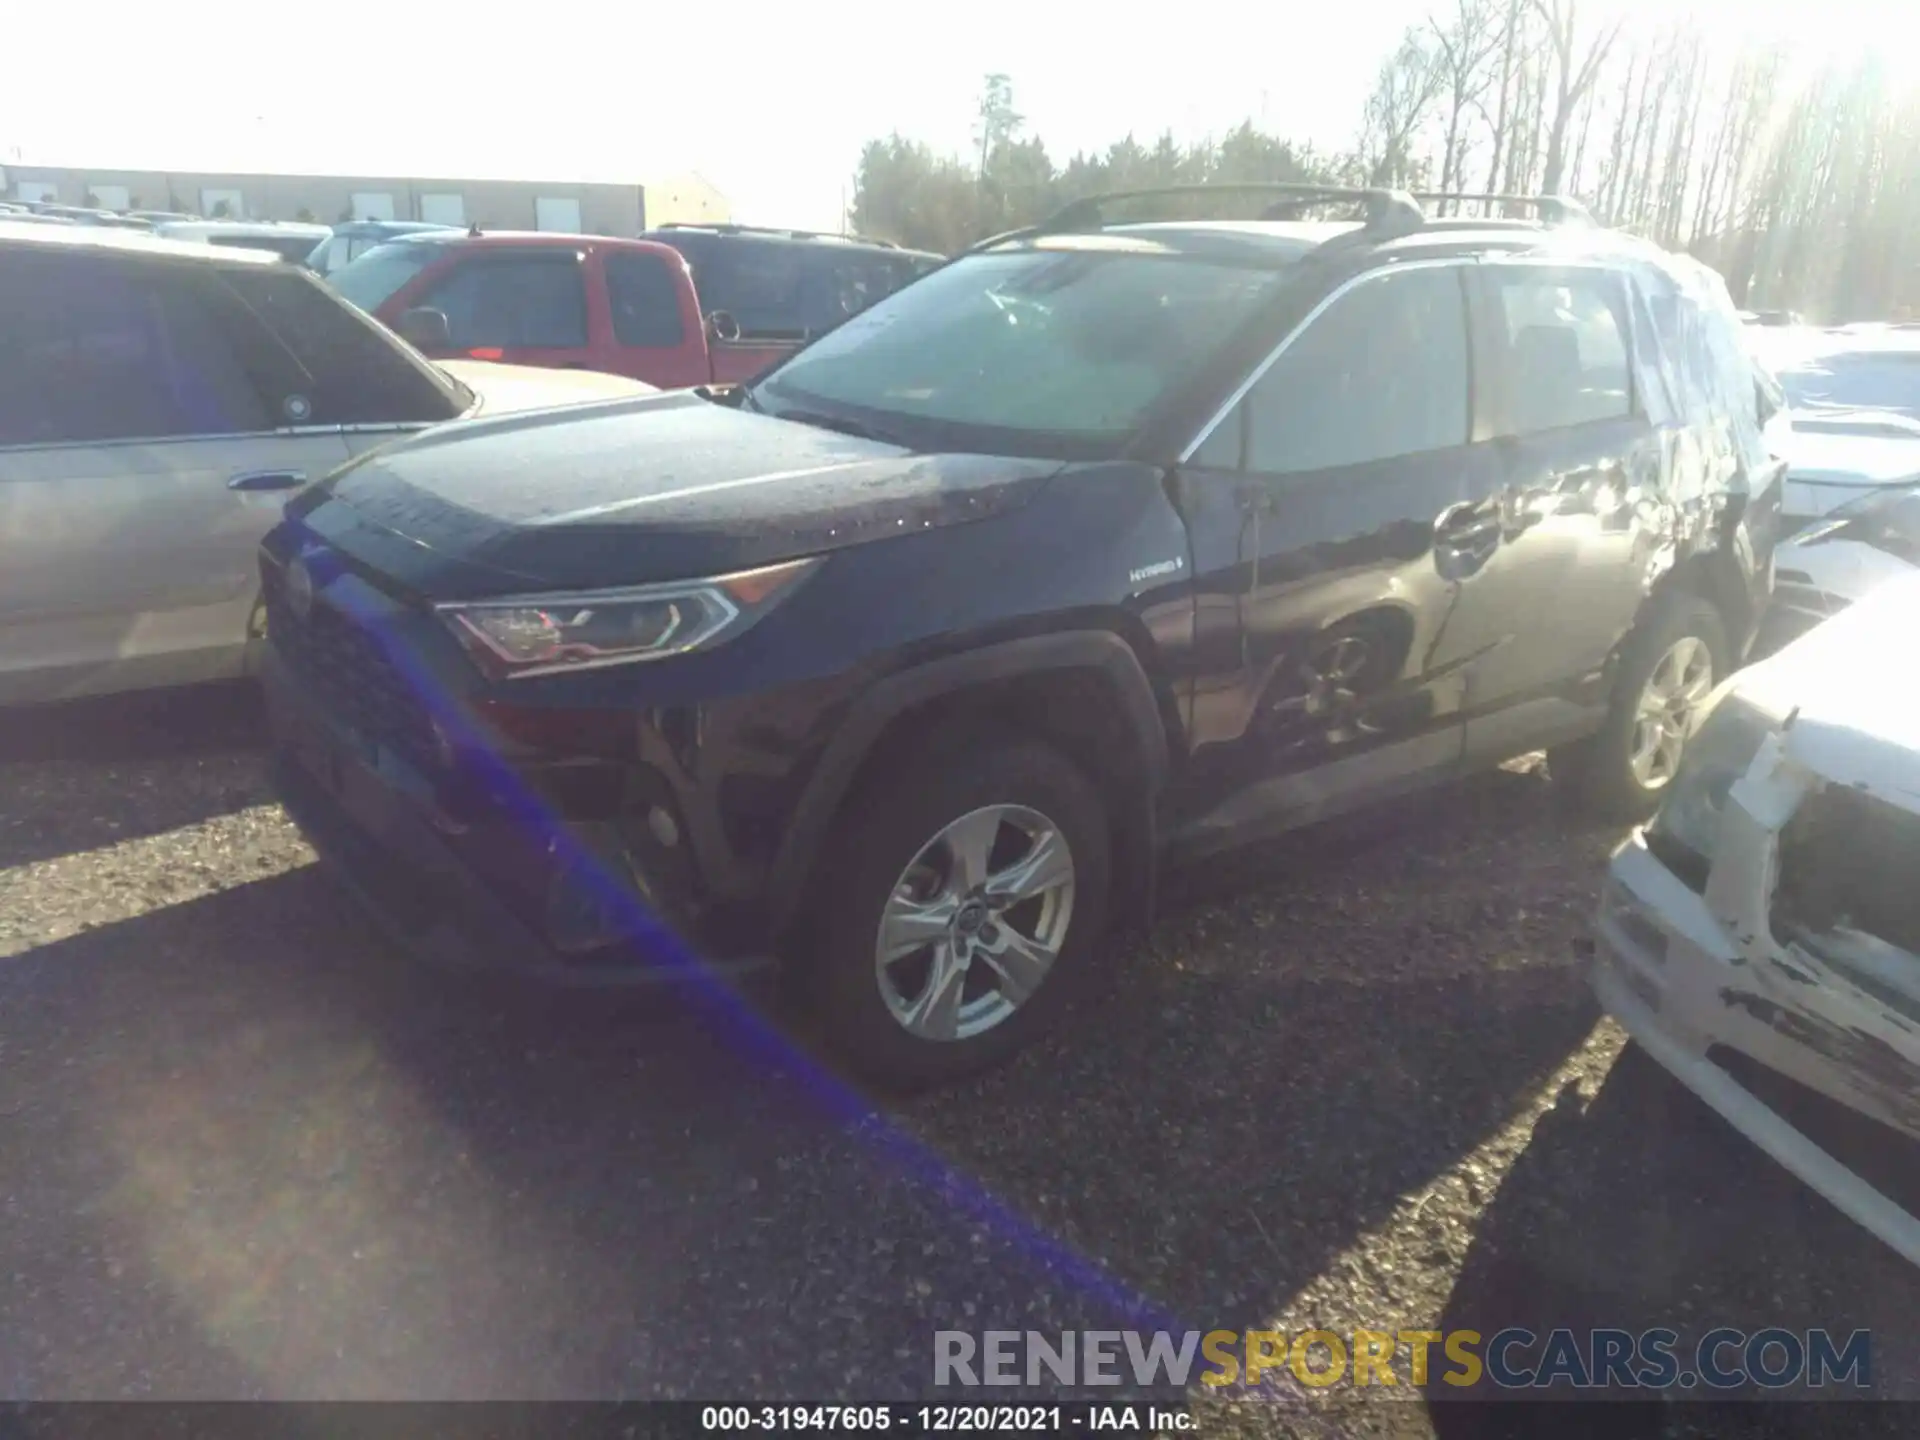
pixel 975 923
pixel 1669 709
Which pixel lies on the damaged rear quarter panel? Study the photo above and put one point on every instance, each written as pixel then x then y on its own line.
pixel 1701 387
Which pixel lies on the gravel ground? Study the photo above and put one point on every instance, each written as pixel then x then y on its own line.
pixel 1352 1079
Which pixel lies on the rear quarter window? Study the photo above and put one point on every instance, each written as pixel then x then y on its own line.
pixel 343 368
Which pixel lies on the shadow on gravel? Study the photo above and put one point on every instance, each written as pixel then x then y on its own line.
pixel 292 1162
pixel 150 725
pixel 1217 1133
pixel 1641 1209
pixel 271 1156
pixel 92 773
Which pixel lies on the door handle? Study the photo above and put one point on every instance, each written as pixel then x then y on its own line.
pixel 267 480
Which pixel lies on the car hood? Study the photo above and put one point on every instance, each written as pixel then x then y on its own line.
pixel 1825 471
pixel 504 389
pixel 1858 702
pixel 663 487
pixel 1852 459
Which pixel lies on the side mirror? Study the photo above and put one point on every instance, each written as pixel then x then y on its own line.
pixel 723 327
pixel 425 328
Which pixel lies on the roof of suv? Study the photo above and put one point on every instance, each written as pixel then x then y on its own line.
pixel 678 230
pixel 1285 241
pixel 134 242
pixel 1395 224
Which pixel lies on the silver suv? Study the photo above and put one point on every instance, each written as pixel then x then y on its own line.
pixel 158 402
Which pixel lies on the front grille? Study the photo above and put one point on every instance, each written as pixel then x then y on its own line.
pixel 351 672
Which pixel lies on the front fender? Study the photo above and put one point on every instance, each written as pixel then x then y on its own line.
pixel 869 717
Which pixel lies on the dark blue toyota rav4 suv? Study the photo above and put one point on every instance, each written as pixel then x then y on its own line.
pixel 1105 543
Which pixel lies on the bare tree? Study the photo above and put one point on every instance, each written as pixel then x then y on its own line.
pixel 997 121
pixel 1465 46
pixel 1402 101
pixel 1680 175
pixel 1511 30
pixel 1577 65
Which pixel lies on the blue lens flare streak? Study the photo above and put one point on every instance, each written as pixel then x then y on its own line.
pixel 749 1031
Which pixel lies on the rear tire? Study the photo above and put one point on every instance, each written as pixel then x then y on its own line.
pixel 1668 667
pixel 937 850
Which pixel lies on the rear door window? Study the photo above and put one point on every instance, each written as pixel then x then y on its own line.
pixel 1560 348
pixel 323 363
pixel 529 301
pixel 644 294
pixel 97 350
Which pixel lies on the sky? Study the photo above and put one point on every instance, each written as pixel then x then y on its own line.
pixel 770 102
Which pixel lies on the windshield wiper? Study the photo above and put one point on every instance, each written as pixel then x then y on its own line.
pixel 840 423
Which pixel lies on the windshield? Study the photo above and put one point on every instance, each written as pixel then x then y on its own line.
pixel 1040 350
pixel 378 275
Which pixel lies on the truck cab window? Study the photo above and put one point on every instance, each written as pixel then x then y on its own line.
pixel 514 302
pixel 645 299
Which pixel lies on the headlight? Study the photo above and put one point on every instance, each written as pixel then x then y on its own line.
pixel 1717 755
pixel 547 634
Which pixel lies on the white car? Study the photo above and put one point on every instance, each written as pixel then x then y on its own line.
pixel 1853 397
pixel 289 239
pixel 1840 560
pixel 159 401
pixel 1760 939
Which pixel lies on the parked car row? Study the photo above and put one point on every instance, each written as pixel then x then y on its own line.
pixel 759 292
pixel 680 306
pixel 908 662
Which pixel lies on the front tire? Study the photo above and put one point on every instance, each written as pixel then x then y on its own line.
pixel 1668 668
pixel 969 894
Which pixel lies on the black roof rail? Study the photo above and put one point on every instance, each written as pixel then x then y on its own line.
pixel 730 228
pixel 1386 210
pixel 1552 209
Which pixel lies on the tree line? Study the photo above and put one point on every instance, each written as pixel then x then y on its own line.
pixel 1802 188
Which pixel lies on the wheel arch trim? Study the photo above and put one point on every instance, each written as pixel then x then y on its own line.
pixel 853 742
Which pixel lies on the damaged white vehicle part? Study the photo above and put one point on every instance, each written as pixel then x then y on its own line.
pixel 1780 957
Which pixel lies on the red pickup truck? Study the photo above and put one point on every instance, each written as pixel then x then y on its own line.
pixel 589 302
pixel 585 302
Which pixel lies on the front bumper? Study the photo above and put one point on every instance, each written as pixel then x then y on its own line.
pixel 377 825
pixel 1665 968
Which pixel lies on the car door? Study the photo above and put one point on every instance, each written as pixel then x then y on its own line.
pixel 523 306
pixel 654 318
pixel 1581 477
pixel 140 464
pixel 1328 556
